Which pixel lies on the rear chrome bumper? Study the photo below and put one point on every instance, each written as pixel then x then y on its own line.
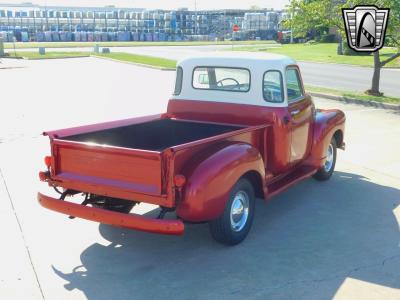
pixel 131 221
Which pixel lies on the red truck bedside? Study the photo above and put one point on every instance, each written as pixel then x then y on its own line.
pixel 238 127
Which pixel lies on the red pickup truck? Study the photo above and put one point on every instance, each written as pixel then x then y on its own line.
pixel 238 127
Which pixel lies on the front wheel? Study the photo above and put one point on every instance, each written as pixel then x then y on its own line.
pixel 234 224
pixel 326 171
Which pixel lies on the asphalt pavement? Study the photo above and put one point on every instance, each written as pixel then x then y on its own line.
pixel 335 76
pixel 337 239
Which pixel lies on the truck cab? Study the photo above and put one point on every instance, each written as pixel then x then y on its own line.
pixel 250 90
pixel 238 127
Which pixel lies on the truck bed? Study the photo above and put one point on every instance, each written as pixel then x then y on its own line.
pixel 155 135
pixel 137 160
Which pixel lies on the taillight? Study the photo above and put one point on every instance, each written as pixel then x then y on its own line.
pixel 179 180
pixel 43 175
pixel 47 161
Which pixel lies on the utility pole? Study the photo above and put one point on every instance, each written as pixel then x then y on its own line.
pixel 291 29
pixel 45 11
pixel 195 15
pixel 224 30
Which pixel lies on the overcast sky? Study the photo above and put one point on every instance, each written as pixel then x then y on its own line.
pixel 163 4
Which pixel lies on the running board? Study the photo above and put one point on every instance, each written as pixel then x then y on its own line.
pixel 277 186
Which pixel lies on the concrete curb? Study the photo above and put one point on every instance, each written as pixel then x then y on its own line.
pixel 41 58
pixel 348 65
pixel 11 67
pixel 12 57
pixel 67 57
pixel 133 63
pixel 358 101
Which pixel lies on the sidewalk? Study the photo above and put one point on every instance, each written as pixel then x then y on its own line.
pixel 17 276
pixel 345 99
pixel 10 63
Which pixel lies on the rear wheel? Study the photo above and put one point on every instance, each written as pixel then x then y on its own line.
pixel 326 171
pixel 234 224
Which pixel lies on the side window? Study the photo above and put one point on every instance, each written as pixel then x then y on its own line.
pixel 293 85
pixel 178 81
pixel 272 86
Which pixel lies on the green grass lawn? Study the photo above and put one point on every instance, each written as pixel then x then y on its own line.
pixel 140 59
pixel 126 44
pixel 125 57
pixel 352 94
pixel 48 55
pixel 325 53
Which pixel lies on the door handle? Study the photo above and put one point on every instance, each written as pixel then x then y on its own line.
pixel 295 112
pixel 286 120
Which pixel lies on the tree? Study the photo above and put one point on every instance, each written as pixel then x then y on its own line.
pixel 392 37
pixel 305 16
pixel 309 15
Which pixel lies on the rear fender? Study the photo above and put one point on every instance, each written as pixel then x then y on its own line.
pixel 207 190
pixel 327 123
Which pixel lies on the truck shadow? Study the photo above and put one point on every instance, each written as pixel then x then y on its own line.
pixel 303 244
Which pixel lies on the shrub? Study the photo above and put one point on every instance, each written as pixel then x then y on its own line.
pixel 328 38
pixel 348 51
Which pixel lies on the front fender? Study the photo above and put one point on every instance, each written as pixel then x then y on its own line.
pixel 326 124
pixel 207 190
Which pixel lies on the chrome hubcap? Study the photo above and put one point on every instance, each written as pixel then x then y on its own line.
pixel 239 211
pixel 329 159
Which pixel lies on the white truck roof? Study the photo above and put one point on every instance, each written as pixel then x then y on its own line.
pixel 257 63
pixel 249 60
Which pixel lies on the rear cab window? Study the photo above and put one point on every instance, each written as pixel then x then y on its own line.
pixel 221 79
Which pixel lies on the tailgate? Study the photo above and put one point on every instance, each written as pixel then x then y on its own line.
pixel 106 168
